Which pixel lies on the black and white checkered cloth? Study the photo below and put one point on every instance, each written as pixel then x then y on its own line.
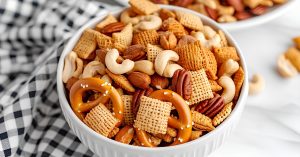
pixel 32 36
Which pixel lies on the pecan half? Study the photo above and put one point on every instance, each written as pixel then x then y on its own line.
pixel 211 107
pixel 243 15
pixel 182 84
pixel 182 3
pixel 135 104
pixel 259 10
pixel 113 27
pixel 135 52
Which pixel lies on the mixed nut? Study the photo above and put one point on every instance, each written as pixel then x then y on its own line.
pixel 153 77
pixel 225 11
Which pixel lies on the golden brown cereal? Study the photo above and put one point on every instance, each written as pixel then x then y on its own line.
pixel 143 7
pixel 200 87
pixel 108 20
pixel 86 45
pixel 222 54
pixel 220 117
pixel 101 120
pixel 293 55
pixel 238 80
pixel 189 20
pixel 202 122
pixel 146 37
pixel 153 115
pixel 121 80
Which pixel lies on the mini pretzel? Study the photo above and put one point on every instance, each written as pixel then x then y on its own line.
pixel 96 84
pixel 183 124
pixel 125 135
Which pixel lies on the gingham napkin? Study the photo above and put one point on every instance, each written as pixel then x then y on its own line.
pixel 32 36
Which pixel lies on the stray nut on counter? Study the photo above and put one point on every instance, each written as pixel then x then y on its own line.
pixel 154 77
pixel 288 64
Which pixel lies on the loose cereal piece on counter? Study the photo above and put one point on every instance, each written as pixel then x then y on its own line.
pixel 174 26
pixel 128 115
pixel 224 53
pixel 215 87
pixel 285 68
pixel 238 80
pixel 144 7
pixel 189 20
pixel 205 59
pixel 153 115
pixel 153 51
pixel 293 55
pixel 121 81
pixel 86 45
pixel 297 42
pixel 201 89
pixel 146 37
pixel 195 135
pixel 101 120
pixel 202 122
pixel 104 41
pixel 220 117
pixel 123 39
pixel 108 20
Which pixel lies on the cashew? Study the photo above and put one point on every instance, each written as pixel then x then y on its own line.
pixel 73 66
pixel 215 41
pixel 228 88
pixel 209 3
pixel 93 68
pixel 144 66
pixel 126 17
pixel 106 78
pixel 116 68
pixel 226 19
pixel 149 22
pixel 79 68
pixel 257 84
pixel 209 32
pixel 225 10
pixel 162 60
pixel 285 67
pixel 170 70
pixel 228 68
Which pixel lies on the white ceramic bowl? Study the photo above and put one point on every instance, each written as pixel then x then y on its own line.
pixel 105 147
pixel 273 13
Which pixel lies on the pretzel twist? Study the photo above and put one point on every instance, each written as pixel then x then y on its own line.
pixel 183 124
pixel 108 92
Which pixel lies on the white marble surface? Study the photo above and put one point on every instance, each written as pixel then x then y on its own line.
pixel 270 125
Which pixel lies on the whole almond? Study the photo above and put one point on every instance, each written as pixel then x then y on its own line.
pixel 212 13
pixel 168 40
pixel 139 80
pixel 135 52
pixel 113 27
pixel 159 82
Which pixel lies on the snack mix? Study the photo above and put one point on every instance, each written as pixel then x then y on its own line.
pixel 152 77
pixel 225 11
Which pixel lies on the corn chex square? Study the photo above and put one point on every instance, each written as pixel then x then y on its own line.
pixel 101 120
pixel 86 44
pixel 153 115
pixel 200 86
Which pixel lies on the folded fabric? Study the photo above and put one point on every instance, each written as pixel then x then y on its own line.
pixel 33 34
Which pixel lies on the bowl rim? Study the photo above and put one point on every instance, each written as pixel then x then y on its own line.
pixel 67 108
pixel 254 21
